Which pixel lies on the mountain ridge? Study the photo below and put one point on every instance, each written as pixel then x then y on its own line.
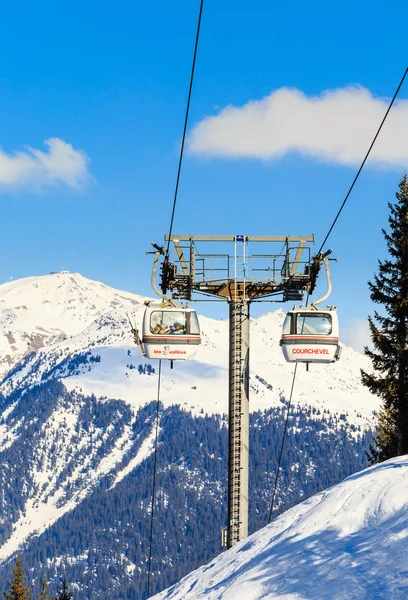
pixel 36 311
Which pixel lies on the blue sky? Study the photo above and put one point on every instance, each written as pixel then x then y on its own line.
pixel 111 81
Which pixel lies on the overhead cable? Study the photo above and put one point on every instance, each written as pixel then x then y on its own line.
pixel 185 124
pixel 320 250
pixel 365 158
pixel 282 445
pixel 149 563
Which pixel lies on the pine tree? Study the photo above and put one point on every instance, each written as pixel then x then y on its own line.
pixel 385 444
pixel 44 591
pixel 17 588
pixel 64 593
pixel 389 335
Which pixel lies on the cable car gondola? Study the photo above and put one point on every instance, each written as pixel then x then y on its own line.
pixel 311 335
pixel 170 332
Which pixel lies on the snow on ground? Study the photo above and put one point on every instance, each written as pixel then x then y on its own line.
pixel 346 543
pixel 200 385
pixel 91 317
pixel 144 452
pixel 8 434
pixel 195 386
pixel 45 507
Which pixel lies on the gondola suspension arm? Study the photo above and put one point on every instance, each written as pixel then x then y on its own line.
pixel 328 277
pixel 160 251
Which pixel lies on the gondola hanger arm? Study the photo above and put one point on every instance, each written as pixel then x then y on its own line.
pixel 329 282
pixel 157 255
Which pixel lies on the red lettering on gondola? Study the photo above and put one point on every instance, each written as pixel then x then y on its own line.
pixel 310 351
pixel 170 352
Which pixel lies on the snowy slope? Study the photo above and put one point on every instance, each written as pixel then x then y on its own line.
pixel 47 500
pixel 111 370
pixel 61 447
pixel 36 311
pixel 348 542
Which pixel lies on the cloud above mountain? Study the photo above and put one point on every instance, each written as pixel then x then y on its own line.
pixel 59 164
pixel 357 335
pixel 337 126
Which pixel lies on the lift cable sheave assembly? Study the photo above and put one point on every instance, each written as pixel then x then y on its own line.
pixel 319 254
pixel 160 251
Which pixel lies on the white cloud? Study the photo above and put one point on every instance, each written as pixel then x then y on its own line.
pixel 336 126
pixel 357 335
pixel 60 164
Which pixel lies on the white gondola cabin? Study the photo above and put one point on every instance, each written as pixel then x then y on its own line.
pixel 311 335
pixel 170 332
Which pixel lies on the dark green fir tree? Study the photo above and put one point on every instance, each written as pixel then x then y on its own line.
pixel 385 444
pixel 388 328
pixel 17 587
pixel 64 592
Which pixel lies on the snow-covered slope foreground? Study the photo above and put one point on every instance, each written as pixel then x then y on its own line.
pixel 37 311
pixel 349 542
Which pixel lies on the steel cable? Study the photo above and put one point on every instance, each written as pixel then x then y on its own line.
pixel 282 445
pixel 149 564
pixel 185 124
pixel 365 159
pixel 320 250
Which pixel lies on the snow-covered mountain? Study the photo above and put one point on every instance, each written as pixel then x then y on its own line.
pixel 348 542
pixel 37 311
pixel 72 448
pixel 97 355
